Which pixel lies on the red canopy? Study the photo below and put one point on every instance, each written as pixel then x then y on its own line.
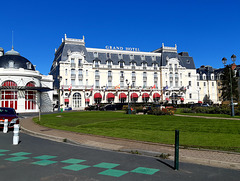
pixel 145 95
pixel 134 96
pixel 200 102
pixel 182 99
pixel 156 95
pixel 66 100
pixel 87 100
pixel 167 99
pixel 110 96
pixel 122 96
pixel 97 96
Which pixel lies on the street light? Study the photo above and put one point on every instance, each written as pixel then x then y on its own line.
pixel 129 110
pixel 224 60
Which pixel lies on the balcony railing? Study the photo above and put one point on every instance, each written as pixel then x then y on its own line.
pixel 109 78
pixel 73 65
pixel 80 76
pixel 144 78
pixel 121 78
pixel 80 65
pixel 73 75
pixel 109 66
pixel 97 77
pixel 133 78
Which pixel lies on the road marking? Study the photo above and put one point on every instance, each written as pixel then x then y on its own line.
pixel 17 158
pixel 144 170
pixel 44 162
pixel 73 160
pixel 76 167
pixel 113 173
pixel 1 150
pixel 20 154
pixel 106 165
pixel 45 157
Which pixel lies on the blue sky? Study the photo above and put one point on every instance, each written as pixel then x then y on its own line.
pixel 207 30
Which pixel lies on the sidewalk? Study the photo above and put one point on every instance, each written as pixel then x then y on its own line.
pixel 205 157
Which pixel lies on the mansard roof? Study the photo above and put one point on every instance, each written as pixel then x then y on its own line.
pixel 160 56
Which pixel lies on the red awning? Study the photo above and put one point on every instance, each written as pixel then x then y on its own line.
pixel 167 99
pixel 122 96
pixel 87 100
pixel 97 96
pixel 156 95
pixel 145 95
pixel 182 99
pixel 200 102
pixel 110 96
pixel 134 96
pixel 66 100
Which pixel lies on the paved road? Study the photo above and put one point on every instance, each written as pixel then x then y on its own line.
pixel 39 159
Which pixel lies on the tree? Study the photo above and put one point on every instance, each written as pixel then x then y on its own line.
pixel 226 85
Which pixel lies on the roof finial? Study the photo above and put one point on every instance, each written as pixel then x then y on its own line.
pixel 12 39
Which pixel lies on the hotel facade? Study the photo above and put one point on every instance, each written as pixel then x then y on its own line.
pixel 85 76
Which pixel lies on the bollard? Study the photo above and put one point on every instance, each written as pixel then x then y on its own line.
pixel 5 128
pixel 176 158
pixel 16 134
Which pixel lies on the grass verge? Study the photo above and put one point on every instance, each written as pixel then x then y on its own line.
pixel 217 134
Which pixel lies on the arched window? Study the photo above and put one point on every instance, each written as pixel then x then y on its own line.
pixel 77 100
pixel 9 94
pixel 30 97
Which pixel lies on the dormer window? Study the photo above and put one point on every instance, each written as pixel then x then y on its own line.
pixel 95 54
pixel 153 58
pixel 131 57
pixel 120 56
pixel 142 57
pixel 29 65
pixel 108 55
pixel 11 64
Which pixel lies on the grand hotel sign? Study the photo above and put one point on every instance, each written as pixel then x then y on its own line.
pixel 122 48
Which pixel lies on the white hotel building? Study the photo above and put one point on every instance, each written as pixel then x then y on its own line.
pixel 86 76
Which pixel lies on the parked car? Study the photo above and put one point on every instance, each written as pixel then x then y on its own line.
pixel 10 114
pixel 91 108
pixel 110 107
pixel 68 109
pixel 205 105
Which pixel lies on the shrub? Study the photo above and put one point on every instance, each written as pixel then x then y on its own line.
pixel 187 110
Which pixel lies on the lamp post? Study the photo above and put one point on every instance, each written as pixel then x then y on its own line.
pixel 59 88
pixel 129 110
pixel 224 60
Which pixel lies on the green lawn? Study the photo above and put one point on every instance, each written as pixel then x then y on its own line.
pixel 194 132
pixel 178 111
